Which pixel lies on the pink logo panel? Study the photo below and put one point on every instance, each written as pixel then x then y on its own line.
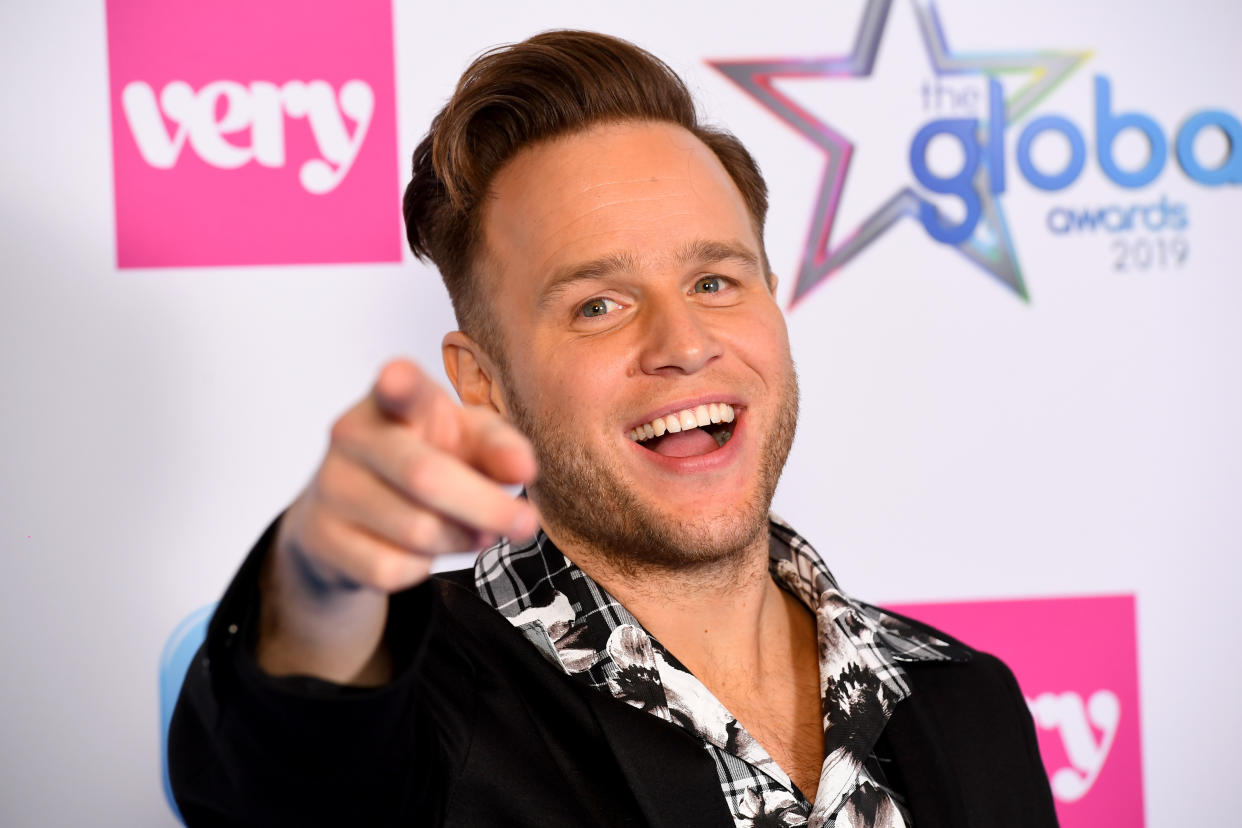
pixel 1077 664
pixel 253 132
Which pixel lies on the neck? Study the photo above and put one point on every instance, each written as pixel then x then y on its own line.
pixel 712 617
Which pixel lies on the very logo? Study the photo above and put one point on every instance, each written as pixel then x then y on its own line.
pixel 213 119
pixel 1075 659
pixel 1068 716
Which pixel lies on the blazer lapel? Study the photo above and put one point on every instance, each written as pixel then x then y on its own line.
pixel 685 792
pixel 691 797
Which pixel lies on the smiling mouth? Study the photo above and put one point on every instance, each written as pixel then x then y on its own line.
pixel 686 433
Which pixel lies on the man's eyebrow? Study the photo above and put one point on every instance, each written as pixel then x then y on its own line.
pixel 705 252
pixel 599 268
pixel 698 252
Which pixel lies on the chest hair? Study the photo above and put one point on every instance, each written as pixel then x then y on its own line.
pixel 785 719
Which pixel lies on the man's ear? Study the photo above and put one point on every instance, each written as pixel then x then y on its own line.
pixel 472 372
pixel 773 282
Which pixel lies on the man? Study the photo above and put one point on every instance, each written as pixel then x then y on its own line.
pixel 661 651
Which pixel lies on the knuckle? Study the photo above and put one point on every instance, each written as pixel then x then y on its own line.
pixel 418 533
pixel 342 431
pixel 388 573
pixel 421 474
pixel 490 509
pixel 331 483
pixel 506 517
pixel 378 573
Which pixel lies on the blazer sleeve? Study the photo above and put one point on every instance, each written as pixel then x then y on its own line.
pixel 246 748
pixel 1028 766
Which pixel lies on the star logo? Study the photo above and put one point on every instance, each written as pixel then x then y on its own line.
pixel 988 244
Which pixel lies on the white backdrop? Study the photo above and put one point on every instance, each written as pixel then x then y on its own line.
pixel 954 442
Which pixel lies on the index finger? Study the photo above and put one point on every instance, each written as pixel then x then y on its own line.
pixel 495 447
pixel 446 485
pixel 401 388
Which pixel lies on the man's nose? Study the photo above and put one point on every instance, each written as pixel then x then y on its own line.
pixel 677 338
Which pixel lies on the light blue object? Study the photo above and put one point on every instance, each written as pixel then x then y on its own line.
pixel 175 661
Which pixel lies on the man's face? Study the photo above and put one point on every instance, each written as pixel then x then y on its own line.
pixel 626 278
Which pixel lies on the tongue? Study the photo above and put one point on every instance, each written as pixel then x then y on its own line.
pixel 687 443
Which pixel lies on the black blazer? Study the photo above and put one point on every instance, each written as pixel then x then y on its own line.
pixel 478 729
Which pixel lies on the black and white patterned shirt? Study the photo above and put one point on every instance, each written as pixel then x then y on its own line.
pixel 584 631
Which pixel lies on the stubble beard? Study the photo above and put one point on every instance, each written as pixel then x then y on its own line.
pixel 578 495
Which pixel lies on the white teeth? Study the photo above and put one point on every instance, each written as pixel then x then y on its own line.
pixel 696 417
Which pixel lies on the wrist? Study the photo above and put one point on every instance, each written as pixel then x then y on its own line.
pixel 314 622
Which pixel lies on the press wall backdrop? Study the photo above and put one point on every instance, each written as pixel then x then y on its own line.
pixel 1008 238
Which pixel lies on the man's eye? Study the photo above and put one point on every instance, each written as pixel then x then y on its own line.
pixel 598 307
pixel 709 284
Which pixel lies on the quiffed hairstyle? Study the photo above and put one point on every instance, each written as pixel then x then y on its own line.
pixel 550 85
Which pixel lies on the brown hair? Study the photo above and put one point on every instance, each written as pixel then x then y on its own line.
pixel 550 85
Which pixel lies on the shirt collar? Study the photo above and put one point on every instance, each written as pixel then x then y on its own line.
pixel 585 632
pixel 546 595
